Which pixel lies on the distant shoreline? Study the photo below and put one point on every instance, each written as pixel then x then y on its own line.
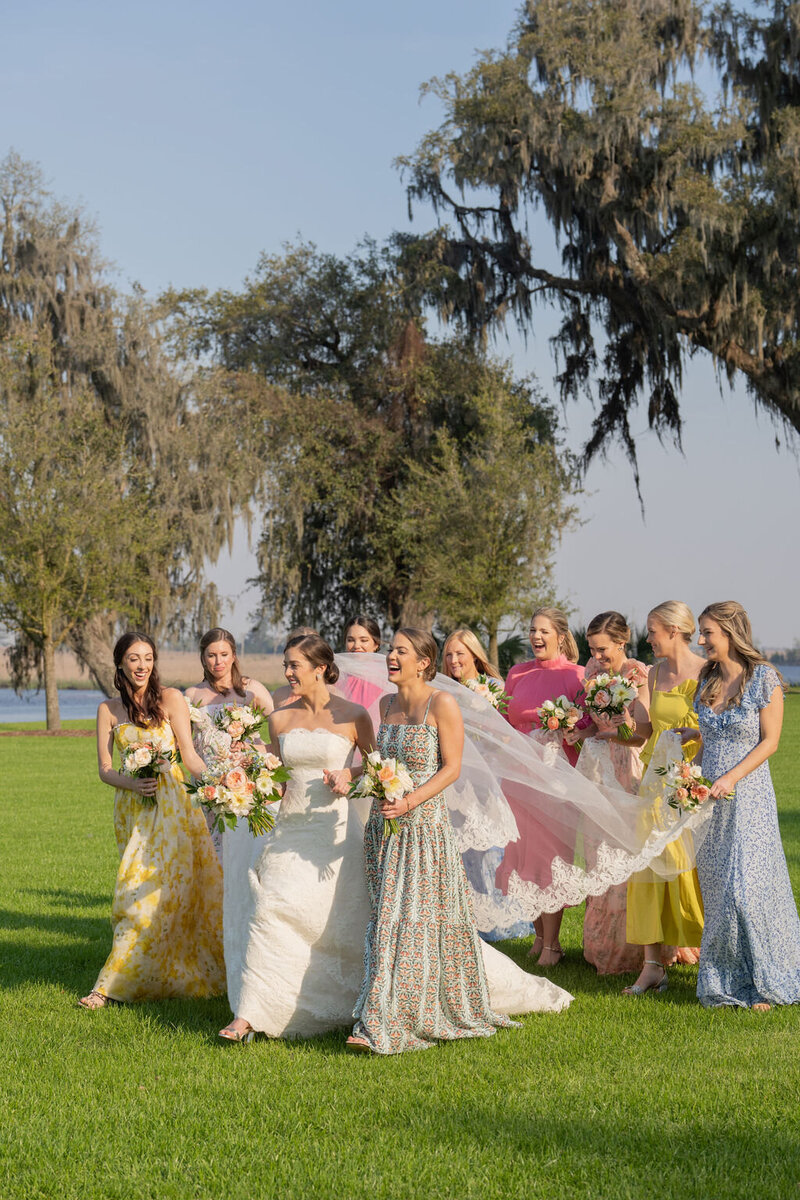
pixel 177 668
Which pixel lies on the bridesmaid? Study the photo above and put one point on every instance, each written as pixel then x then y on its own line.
pixel 605 944
pixel 424 976
pixel 463 657
pixel 664 914
pixel 553 672
pixel 167 908
pixel 222 684
pixel 750 954
pixel 363 636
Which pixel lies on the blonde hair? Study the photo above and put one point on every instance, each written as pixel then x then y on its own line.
pixel 612 623
pixel 475 648
pixel 558 619
pixel 735 624
pixel 675 615
pixel 424 646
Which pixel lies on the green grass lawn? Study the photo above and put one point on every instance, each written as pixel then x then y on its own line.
pixel 614 1098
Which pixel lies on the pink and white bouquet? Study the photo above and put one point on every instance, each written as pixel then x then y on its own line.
pixel 383 777
pixel 490 689
pixel 608 695
pixel 147 759
pixel 686 787
pixel 241 722
pixel 243 788
pixel 559 715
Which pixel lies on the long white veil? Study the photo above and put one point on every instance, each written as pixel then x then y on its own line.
pixel 609 834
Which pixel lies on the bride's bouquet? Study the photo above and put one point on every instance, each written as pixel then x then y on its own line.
pixel 241 722
pixel 147 759
pixel 686 787
pixel 608 695
pixel 383 777
pixel 559 715
pixel 490 689
pixel 245 788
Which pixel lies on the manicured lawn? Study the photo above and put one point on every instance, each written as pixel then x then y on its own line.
pixel 613 1099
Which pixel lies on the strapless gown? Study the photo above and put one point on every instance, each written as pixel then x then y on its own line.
pixel 304 955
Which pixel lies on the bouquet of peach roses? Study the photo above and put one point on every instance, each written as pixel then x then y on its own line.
pixel 490 689
pixel 383 777
pixel 245 787
pixel 686 788
pixel 147 759
pixel 559 714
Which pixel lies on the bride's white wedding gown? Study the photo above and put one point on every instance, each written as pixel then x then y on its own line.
pixel 304 958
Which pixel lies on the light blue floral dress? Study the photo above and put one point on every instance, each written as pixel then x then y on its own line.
pixel 750 951
pixel 424 978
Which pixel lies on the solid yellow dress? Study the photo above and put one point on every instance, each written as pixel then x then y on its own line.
pixel 667 911
pixel 167 907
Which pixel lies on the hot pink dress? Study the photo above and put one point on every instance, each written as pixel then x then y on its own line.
pixel 528 685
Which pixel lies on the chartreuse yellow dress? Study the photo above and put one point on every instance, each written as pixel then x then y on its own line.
pixel 167 909
pixel 666 911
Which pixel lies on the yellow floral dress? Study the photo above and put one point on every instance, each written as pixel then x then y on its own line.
pixel 167 907
pixel 670 912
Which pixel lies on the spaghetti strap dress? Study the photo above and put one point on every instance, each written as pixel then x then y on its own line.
pixel 428 977
pixel 666 911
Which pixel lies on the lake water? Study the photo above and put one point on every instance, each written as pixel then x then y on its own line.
pixel 79 703
pixel 74 703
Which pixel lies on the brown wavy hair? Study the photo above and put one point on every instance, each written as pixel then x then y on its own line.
pixel 151 711
pixel 237 682
pixel 735 624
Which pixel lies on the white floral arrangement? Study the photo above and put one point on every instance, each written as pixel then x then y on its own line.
pixel 490 689
pixel 383 777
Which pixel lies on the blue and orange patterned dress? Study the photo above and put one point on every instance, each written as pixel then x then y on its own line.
pixel 424 977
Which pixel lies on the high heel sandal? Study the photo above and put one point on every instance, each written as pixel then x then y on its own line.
pixel 236 1035
pixel 97 1000
pixel 660 986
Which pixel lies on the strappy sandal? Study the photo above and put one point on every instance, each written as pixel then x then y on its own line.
pixel 97 1000
pixel 660 985
pixel 228 1034
pixel 553 950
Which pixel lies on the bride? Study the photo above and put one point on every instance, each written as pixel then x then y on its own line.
pixel 304 961
pixel 305 944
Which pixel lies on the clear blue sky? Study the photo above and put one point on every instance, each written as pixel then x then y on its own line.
pixel 201 134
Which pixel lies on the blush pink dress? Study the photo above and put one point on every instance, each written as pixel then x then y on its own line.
pixel 528 685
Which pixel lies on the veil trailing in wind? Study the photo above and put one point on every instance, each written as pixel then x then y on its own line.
pixel 610 834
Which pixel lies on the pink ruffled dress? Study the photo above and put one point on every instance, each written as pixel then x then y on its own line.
pixel 528 685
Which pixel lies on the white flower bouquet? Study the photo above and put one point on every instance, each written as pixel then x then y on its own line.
pixel 490 689
pixel 608 695
pixel 147 759
pixel 383 777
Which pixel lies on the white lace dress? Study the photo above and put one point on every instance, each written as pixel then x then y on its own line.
pixel 304 959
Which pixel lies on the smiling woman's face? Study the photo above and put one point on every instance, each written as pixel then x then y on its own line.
pixel 544 639
pixel 137 664
pixel 359 640
pixel 402 663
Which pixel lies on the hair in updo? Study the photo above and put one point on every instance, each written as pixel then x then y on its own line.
pixel 300 631
pixel 424 646
pixel 318 652
pixel 151 710
pixel 558 619
pixel 372 627
pixel 612 623
pixel 237 683
pixel 674 614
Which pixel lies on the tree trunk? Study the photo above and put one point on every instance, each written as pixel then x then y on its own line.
pixel 92 642
pixel 493 648
pixel 50 684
